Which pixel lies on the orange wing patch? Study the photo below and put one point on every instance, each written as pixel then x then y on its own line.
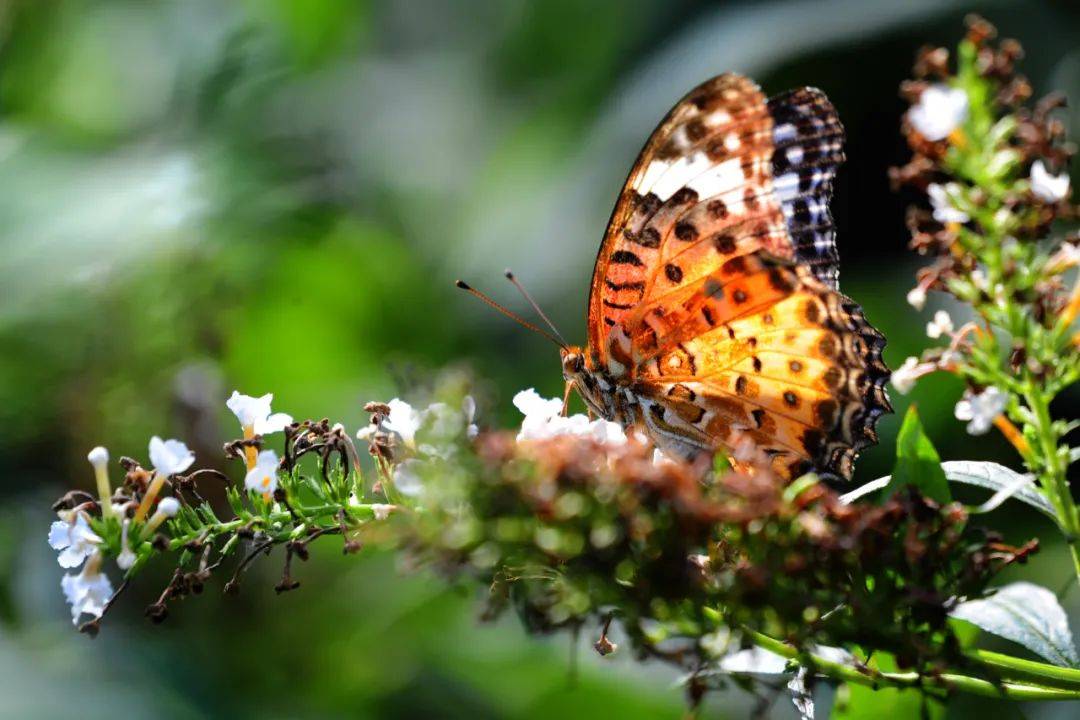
pixel 795 367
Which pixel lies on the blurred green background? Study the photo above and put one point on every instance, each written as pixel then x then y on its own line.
pixel 276 195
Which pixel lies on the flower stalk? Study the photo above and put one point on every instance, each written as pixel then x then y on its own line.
pixel 993 201
pixel 1043 681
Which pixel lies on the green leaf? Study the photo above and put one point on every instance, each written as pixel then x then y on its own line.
pixel 1004 482
pixel 917 462
pixel 1027 614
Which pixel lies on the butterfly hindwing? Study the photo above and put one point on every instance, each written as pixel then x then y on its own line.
pixel 797 369
pixel 808 142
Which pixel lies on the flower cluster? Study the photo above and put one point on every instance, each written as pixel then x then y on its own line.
pixel 992 168
pixel 571 530
pixel 159 509
pixel 572 522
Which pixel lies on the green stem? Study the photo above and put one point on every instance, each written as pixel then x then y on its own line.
pixel 1053 478
pixel 1019 668
pixel 947 682
pixel 309 514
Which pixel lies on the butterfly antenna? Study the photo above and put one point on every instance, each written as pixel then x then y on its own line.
pixel 513 316
pixel 528 298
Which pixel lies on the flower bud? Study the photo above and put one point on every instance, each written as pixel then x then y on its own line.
pixel 169 506
pixel 98 457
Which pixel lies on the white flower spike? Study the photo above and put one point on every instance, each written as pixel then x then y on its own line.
pixel 945 210
pixel 170 457
pixel 88 592
pixel 941 325
pixel 940 110
pixel 263 477
pixel 1048 188
pixel 255 415
pixel 75 541
pixel 979 411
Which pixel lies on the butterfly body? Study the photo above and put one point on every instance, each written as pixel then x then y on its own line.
pixel 713 312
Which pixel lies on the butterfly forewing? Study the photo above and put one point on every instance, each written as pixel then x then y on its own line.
pixel 726 172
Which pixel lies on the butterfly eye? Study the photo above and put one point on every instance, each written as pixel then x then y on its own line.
pixel 573 363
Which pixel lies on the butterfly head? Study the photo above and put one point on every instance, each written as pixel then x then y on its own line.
pixel 573 362
pixel 594 387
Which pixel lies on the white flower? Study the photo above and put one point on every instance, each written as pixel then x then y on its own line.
pixel 98 457
pixel 949 358
pixel 941 325
pixel 544 419
pixel 610 433
pixel 382 511
pixel 980 410
pixel 941 200
pixel 441 424
pixel 940 110
pixel 254 413
pixel 904 377
pixel 87 592
pixel 169 456
pixel 468 406
pixel 169 506
pixel 1067 256
pixel 979 280
pixel 263 477
pixel 75 541
pixel 917 297
pixel 1047 187
pixel 538 412
pixel 407 479
pixel 403 420
pixel 126 558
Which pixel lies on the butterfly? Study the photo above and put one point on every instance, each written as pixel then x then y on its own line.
pixel 714 312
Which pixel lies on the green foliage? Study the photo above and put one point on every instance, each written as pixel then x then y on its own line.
pixel 917 462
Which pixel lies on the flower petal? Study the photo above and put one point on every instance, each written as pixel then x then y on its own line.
pixel 59 535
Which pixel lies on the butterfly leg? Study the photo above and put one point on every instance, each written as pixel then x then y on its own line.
pixel 566 397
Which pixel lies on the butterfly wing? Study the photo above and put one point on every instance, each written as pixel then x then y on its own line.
pixel 719 246
pixel 762 349
pixel 725 166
